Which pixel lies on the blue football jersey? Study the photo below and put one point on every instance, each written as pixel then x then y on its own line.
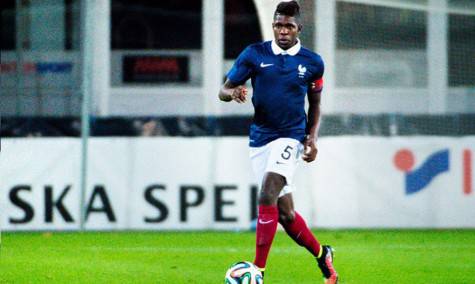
pixel 280 80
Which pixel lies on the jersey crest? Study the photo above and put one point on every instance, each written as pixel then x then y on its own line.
pixel 301 69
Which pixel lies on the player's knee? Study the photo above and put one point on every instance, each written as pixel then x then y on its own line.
pixel 268 197
pixel 272 185
pixel 286 217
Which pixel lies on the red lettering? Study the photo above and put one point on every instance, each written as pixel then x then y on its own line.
pixel 7 67
pixel 29 67
pixel 156 65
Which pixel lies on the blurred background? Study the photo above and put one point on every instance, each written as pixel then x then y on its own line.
pixel 110 117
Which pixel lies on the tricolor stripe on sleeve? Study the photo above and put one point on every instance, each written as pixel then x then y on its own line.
pixel 318 85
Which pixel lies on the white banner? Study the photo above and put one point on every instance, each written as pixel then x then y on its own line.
pixel 395 182
pixel 207 183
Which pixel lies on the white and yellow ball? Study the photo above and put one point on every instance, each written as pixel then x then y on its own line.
pixel 243 272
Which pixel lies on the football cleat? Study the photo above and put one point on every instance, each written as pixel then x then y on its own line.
pixel 262 270
pixel 325 262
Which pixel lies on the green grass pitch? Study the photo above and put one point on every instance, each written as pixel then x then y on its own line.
pixel 362 256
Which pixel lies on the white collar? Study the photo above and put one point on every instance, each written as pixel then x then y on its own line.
pixel 291 51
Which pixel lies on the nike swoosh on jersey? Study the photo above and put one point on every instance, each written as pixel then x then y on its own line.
pixel 265 222
pixel 266 65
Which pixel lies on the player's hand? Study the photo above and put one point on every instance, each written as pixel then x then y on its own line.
pixel 310 149
pixel 239 94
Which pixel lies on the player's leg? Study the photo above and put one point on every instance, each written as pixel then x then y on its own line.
pixel 298 230
pixel 259 158
pixel 296 227
pixel 268 217
pixel 275 163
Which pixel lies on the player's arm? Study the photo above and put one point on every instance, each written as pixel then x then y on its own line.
pixel 230 92
pixel 314 95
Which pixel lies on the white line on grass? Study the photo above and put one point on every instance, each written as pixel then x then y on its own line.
pixel 289 250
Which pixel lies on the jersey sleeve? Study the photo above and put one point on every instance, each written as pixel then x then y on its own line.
pixel 317 78
pixel 242 68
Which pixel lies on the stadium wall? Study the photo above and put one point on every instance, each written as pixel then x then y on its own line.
pixel 396 83
pixel 207 183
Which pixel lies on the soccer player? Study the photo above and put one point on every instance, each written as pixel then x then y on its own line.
pixel 282 74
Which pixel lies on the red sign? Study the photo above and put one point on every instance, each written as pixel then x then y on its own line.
pixel 155 69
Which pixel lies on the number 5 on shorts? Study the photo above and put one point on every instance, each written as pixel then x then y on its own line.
pixel 287 154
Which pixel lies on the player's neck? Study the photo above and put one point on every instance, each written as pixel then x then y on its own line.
pixel 288 47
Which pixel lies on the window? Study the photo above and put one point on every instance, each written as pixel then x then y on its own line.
pixel 241 27
pixel 164 24
pixel 8 29
pixel 461 50
pixel 380 47
pixel 366 26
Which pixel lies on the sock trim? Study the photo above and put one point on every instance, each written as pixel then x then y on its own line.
pixel 320 252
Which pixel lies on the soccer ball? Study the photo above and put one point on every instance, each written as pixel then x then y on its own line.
pixel 243 272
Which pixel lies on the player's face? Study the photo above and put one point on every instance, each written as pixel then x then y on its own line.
pixel 286 31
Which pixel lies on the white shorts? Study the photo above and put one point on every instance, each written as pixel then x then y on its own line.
pixel 280 156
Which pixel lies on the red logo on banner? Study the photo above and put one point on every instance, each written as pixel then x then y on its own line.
pixel 435 164
pixel 467 171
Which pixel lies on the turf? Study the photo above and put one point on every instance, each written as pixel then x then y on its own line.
pixel 362 256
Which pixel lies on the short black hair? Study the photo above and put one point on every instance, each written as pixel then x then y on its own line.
pixel 288 8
